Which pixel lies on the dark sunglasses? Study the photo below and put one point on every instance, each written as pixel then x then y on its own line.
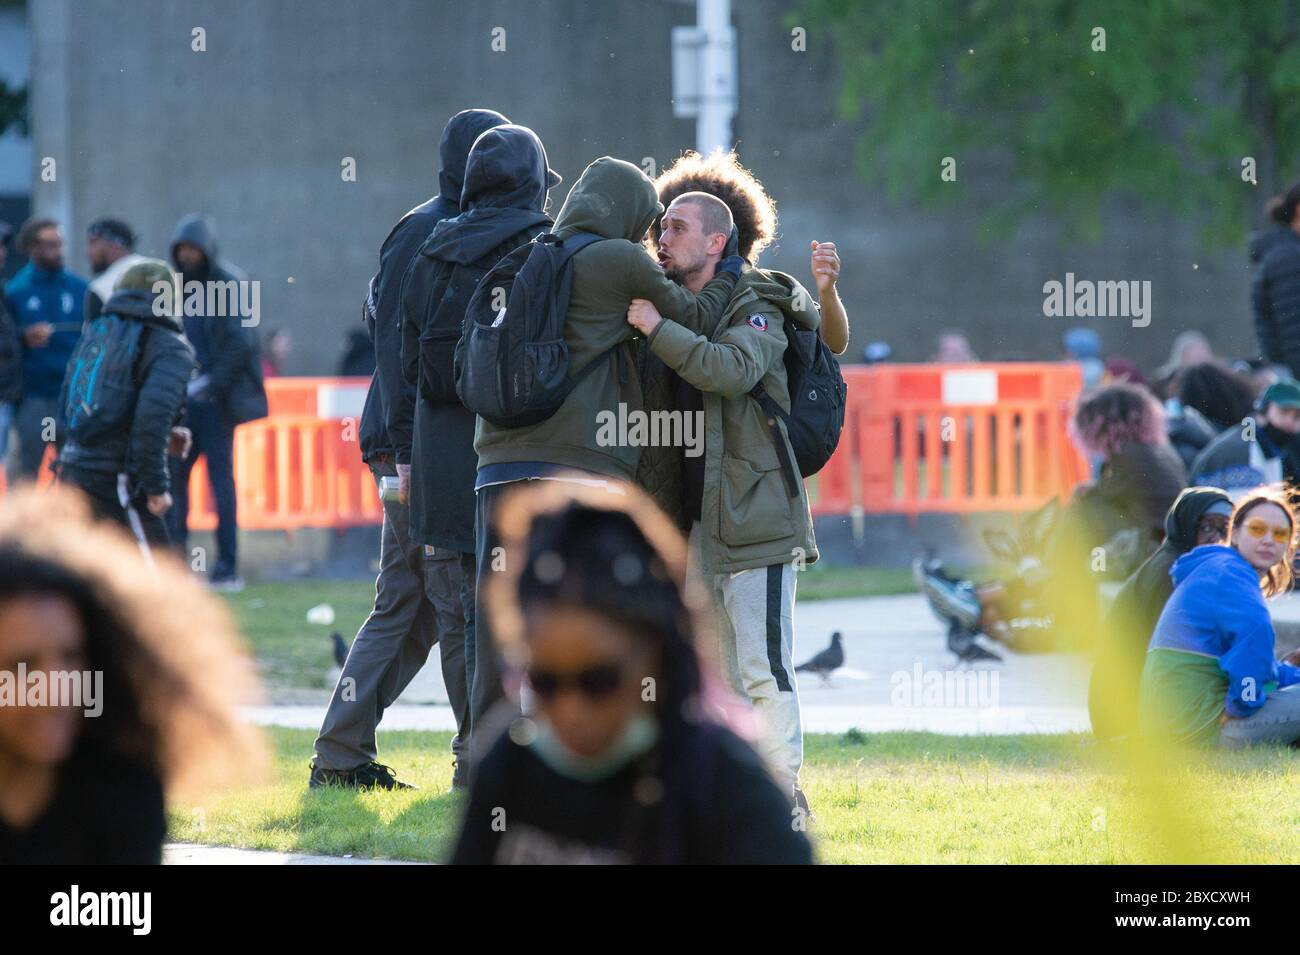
pixel 594 682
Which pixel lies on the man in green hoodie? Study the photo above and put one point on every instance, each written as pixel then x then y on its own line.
pixel 616 201
pixel 754 528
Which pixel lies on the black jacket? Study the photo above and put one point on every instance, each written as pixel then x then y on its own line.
pixel 161 373
pixel 108 809
pixel 11 358
pixel 504 197
pixel 226 349
pixel 388 417
pixel 1122 642
pixel 1276 297
pixel 725 809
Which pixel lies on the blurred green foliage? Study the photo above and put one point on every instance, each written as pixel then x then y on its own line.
pixel 1183 91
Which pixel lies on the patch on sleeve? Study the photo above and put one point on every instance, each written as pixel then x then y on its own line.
pixel 757 321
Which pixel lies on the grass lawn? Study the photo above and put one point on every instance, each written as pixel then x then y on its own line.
pixel 887 797
pixel 295 653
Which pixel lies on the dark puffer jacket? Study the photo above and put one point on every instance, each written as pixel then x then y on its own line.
pixel 140 447
pixel 1276 297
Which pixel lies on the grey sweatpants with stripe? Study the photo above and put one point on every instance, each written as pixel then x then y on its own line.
pixel 755 611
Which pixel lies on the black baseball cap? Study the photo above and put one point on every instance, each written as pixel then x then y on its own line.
pixel 114 230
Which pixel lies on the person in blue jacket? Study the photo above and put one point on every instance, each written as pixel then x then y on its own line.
pixel 1210 672
pixel 46 302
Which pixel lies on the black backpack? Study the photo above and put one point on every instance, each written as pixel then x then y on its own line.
pixel 442 290
pixel 512 363
pixel 99 394
pixel 817 398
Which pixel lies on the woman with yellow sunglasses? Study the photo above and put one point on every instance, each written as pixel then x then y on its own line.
pixel 1210 672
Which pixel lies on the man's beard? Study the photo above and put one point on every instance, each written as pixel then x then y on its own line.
pixel 679 273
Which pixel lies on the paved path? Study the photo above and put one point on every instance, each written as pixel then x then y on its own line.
pixel 898 675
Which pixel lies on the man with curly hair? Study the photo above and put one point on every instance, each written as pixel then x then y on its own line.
pixel 749 520
pixel 670 478
pixel 754 212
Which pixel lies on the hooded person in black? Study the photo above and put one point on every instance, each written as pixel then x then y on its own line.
pixel 504 198
pixel 1199 516
pixel 390 400
pixel 226 391
pixel 394 642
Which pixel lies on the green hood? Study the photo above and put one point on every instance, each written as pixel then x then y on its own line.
pixel 783 291
pixel 611 198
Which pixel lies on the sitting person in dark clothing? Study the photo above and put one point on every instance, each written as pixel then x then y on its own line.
pixel 1262 449
pixel 1199 516
pixel 622 760
pixel 124 715
pixel 1223 395
pixel 1123 426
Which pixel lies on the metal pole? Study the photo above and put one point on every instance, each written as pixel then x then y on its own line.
pixel 717 76
pixel 49 108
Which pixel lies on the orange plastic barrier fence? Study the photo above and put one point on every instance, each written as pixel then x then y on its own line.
pixel 300 466
pixel 317 397
pixel 917 438
pixel 293 471
pixel 952 438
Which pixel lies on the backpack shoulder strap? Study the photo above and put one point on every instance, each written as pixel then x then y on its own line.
pixel 141 342
pixel 570 245
pixel 772 411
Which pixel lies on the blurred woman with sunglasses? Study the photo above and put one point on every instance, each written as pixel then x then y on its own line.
pixel 1210 673
pixel 84 775
pixel 623 758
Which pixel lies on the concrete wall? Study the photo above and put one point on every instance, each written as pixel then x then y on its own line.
pixel 15 67
pixel 253 131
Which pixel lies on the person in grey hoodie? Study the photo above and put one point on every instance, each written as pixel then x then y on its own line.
pixel 226 392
